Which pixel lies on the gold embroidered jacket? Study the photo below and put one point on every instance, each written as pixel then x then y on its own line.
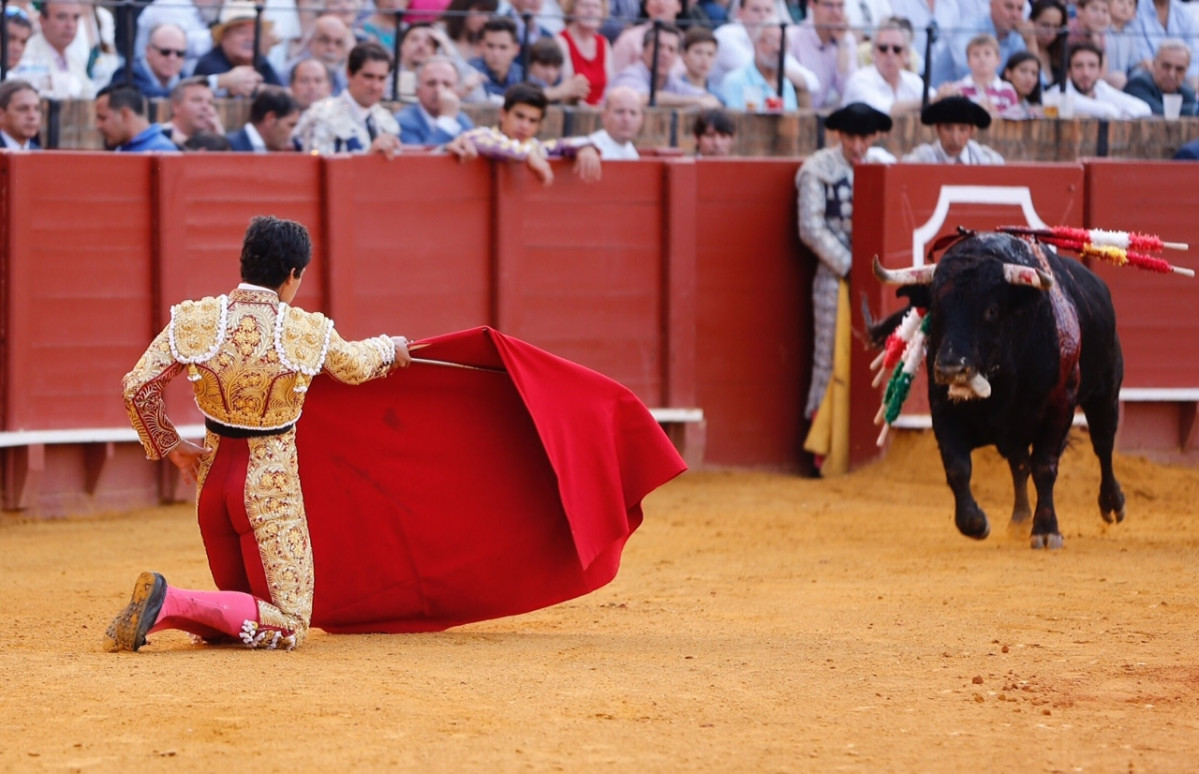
pixel 250 358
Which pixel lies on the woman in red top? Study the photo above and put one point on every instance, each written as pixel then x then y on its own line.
pixel 584 50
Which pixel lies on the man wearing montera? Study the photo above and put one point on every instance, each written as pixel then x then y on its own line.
pixel 435 119
pixel 825 198
pixel 957 121
pixel 273 117
pixel 354 121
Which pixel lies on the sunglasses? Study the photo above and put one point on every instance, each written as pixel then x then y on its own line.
pixel 12 10
pixel 884 48
pixel 179 52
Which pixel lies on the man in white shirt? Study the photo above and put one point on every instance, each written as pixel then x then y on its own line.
pixel 1094 96
pixel 622 120
pixel 957 121
pixel 47 64
pixel 20 115
pixel 887 86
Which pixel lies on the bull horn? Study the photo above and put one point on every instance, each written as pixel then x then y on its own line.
pixel 1027 275
pixel 916 275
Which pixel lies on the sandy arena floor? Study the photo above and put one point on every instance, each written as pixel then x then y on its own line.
pixel 760 623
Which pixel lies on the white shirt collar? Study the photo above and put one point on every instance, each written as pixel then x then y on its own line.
pixel 256 141
pixel 360 112
pixel 12 142
pixel 251 286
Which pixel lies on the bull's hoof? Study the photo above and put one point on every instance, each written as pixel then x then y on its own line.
pixel 1052 542
pixel 1113 518
pixel 978 529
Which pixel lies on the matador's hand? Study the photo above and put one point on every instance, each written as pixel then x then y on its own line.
pixel 402 358
pixel 186 456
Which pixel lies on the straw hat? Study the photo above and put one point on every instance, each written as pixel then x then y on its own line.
pixel 237 12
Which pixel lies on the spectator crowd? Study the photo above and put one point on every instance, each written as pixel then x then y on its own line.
pixel 320 75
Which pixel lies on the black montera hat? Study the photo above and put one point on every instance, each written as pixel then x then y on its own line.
pixel 858 118
pixel 955 110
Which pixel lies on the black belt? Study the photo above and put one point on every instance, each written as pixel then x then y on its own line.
pixel 225 431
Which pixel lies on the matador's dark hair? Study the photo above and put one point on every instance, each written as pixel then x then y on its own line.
pixel 273 249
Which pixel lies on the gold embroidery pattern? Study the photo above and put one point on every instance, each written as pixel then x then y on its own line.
pixel 354 362
pixel 275 506
pixel 142 390
pixel 196 327
pixel 246 384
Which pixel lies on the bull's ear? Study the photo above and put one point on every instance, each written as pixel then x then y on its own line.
pixel 918 295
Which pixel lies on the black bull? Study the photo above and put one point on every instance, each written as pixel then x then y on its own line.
pixel 1018 338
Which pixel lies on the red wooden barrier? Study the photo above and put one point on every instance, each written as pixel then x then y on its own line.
pixel 410 245
pixel 683 279
pixel 753 318
pixel 1156 312
pixel 1158 328
pixel 78 277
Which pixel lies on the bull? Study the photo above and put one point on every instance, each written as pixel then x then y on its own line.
pixel 1018 338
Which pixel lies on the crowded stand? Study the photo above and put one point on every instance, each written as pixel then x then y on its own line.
pixel 379 75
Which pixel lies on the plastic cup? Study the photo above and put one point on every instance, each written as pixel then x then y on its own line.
pixel 1066 108
pixel 1171 106
pixel 1050 101
pixel 753 98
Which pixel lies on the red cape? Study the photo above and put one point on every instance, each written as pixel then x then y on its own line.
pixel 440 496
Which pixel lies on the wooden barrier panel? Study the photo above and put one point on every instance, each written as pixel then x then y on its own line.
pixel 75 305
pixel 901 210
pixel 683 279
pixel 580 269
pixel 409 243
pixel 1155 313
pixel 80 244
pixel 753 318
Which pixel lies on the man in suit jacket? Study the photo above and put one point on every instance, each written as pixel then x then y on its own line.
pixel 157 72
pixel 1188 152
pixel 20 115
pixel 435 118
pixel 273 117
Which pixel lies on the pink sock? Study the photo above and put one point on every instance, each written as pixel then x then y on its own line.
pixel 207 614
